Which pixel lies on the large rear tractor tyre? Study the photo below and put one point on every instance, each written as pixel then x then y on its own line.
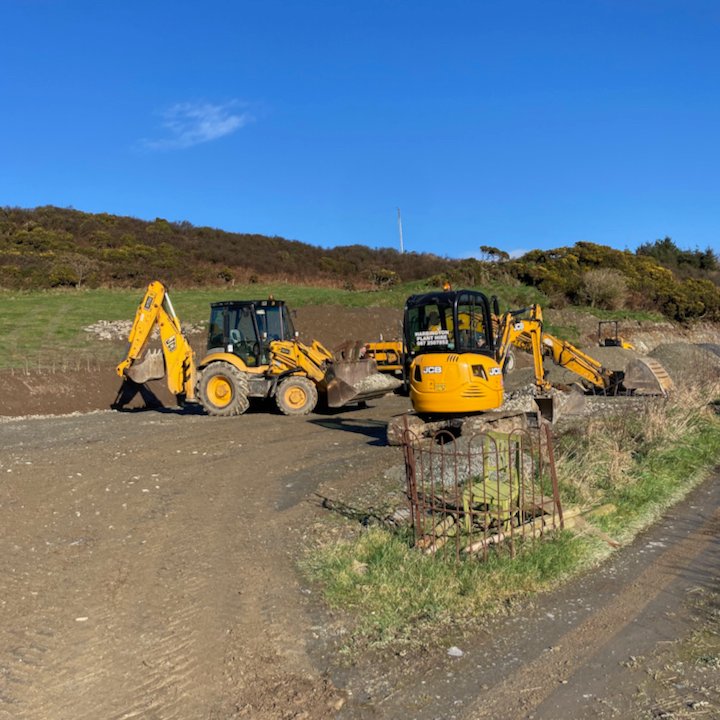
pixel 223 390
pixel 296 395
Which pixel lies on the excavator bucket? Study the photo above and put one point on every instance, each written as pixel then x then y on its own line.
pixel 547 407
pixel 357 381
pixel 646 376
pixel 151 367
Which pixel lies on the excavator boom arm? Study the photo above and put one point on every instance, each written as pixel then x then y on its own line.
pixel 528 334
pixel 177 359
pixel 568 356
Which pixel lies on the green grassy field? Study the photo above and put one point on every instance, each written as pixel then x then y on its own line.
pixel 47 326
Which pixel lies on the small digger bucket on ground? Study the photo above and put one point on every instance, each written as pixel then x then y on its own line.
pixel 357 381
pixel 151 367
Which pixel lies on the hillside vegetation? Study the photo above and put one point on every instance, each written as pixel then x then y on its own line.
pixel 49 247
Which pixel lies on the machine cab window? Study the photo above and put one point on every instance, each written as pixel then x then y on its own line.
pixel 472 333
pixel 274 323
pixel 430 328
pixel 242 334
pixel 449 322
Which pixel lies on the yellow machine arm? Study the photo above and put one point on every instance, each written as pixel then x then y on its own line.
pixel 343 381
pixel 290 354
pixel 177 359
pixel 528 335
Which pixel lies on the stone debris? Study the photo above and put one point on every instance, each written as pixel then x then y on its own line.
pixel 377 382
pixel 120 329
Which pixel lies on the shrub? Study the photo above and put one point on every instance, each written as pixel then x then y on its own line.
pixel 605 288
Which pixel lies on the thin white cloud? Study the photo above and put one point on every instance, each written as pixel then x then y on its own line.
pixel 188 124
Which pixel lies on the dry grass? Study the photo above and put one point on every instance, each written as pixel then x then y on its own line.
pixel 605 454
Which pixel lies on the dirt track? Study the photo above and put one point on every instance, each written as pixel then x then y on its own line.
pixel 149 571
pixel 148 562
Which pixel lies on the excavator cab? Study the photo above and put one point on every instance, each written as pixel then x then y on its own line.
pixel 451 346
pixel 246 328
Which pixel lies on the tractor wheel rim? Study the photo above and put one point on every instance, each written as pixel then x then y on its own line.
pixel 220 391
pixel 295 397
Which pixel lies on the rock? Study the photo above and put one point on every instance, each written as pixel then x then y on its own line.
pixel 399 424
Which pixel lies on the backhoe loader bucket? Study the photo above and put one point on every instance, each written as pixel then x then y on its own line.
pixel 357 381
pixel 547 407
pixel 151 367
pixel 646 376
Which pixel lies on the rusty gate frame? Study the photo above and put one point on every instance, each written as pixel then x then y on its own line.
pixel 450 508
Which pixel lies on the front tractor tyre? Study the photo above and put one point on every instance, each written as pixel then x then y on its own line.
pixel 223 390
pixel 296 395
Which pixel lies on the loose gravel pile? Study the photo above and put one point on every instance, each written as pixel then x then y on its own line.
pixel 688 364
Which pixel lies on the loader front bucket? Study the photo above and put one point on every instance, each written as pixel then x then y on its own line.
pixel 646 376
pixel 356 381
pixel 151 367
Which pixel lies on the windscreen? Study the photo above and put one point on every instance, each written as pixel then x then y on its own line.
pixel 472 332
pixel 274 322
pixel 430 328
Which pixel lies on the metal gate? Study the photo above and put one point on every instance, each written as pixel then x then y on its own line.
pixel 488 492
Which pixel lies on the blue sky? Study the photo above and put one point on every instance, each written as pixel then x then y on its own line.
pixel 515 124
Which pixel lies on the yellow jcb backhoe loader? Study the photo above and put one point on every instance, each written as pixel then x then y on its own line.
pixel 253 352
pixel 457 347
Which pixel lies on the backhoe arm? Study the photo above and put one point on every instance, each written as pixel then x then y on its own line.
pixel 528 335
pixel 177 360
pixel 569 357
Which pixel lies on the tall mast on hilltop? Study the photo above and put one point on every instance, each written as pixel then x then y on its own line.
pixel 402 250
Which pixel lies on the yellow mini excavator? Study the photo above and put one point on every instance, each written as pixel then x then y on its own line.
pixel 253 352
pixel 458 345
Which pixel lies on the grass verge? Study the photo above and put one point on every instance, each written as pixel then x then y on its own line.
pixel 396 594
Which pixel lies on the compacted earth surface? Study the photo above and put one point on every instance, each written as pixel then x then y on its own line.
pixel 149 569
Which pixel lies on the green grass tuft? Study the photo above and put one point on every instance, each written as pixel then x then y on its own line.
pixel 396 592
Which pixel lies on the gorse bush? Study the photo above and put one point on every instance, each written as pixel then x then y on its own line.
pixel 564 273
pixel 42 248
